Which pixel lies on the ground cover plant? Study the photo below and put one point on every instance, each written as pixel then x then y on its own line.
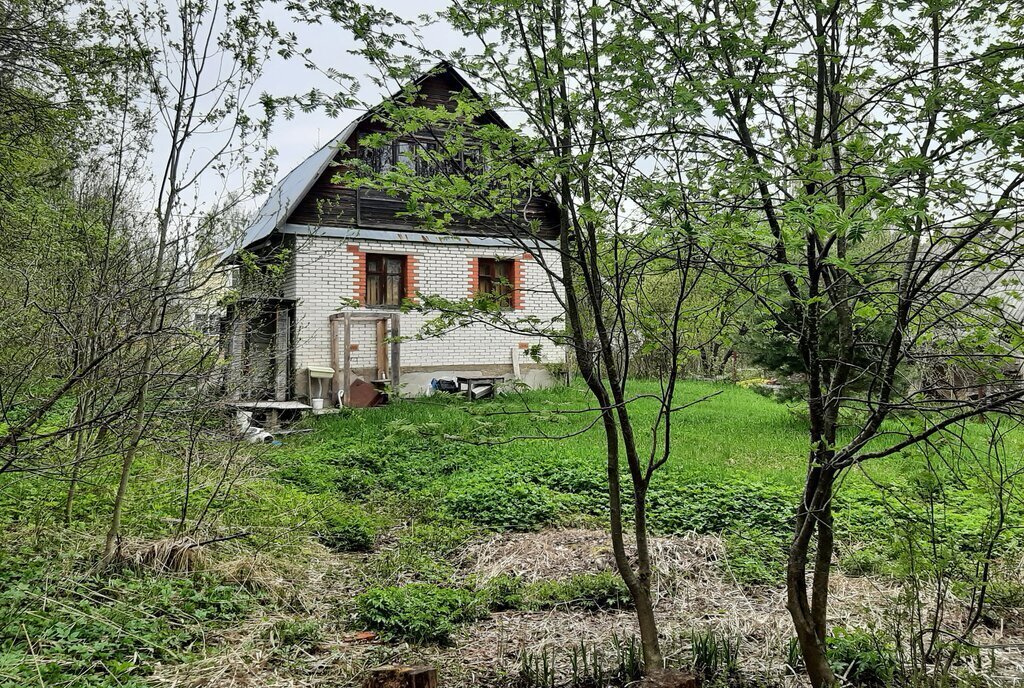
pixel 397 493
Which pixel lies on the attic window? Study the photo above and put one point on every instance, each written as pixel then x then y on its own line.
pixel 404 152
pixel 420 156
pixel 378 159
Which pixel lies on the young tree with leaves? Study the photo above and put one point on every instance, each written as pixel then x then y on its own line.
pixel 869 158
pixel 623 275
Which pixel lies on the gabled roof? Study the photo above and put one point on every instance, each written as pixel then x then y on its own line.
pixel 294 186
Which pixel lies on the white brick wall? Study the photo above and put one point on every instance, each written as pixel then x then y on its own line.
pixel 322 277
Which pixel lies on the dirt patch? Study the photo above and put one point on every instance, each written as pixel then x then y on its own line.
pixel 694 591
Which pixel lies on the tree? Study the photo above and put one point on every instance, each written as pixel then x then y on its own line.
pixel 869 158
pixel 613 255
pixel 59 88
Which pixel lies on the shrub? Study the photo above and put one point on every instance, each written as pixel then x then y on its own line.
pixel 496 504
pixel 418 612
pixel 588 592
pixel 756 556
pixel 347 529
pixel 866 659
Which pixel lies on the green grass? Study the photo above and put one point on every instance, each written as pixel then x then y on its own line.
pixel 734 435
pixel 736 467
pixel 405 487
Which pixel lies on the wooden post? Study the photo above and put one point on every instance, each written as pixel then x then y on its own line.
pixel 382 349
pixel 346 377
pixel 281 352
pixel 402 677
pixel 396 355
pixel 236 351
pixel 335 362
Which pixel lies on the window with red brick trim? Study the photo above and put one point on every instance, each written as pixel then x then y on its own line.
pixel 385 279
pixel 497 277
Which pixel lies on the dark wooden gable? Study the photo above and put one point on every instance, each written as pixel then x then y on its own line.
pixel 328 204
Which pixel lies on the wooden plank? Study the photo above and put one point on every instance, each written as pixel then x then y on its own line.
pixel 336 380
pixel 346 378
pixel 382 349
pixel 396 352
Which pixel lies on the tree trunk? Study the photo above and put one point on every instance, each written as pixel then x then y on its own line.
pixel 651 644
pixel 813 523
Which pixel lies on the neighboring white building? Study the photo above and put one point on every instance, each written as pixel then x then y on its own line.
pixel 351 261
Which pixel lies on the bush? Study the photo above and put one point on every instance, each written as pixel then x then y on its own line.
pixel 418 612
pixel 347 529
pixel 496 504
pixel 588 592
pixel 866 659
pixel 756 557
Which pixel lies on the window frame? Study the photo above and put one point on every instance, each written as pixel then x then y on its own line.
pixel 378 268
pixel 489 280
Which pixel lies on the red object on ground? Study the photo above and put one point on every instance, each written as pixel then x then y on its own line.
pixel 361 394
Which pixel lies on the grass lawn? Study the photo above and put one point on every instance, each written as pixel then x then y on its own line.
pixel 736 433
pixel 737 463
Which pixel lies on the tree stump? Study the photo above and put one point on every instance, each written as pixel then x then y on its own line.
pixel 402 677
pixel 671 678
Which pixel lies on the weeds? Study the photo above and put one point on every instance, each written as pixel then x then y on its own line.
pixel 537 670
pixel 583 666
pixel 418 612
pixel 348 529
pixel 714 655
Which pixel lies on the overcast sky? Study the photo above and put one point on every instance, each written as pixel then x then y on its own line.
pixel 295 139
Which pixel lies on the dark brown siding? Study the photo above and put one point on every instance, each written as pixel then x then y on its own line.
pixel 331 205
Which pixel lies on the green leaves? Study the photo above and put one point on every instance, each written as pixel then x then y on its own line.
pixel 418 612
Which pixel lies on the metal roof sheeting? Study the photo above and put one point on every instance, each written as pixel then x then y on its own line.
pixel 288 192
pixel 410 235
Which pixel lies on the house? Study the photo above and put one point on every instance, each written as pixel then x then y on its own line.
pixel 351 258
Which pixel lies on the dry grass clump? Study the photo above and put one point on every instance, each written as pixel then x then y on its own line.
pixel 562 553
pixel 695 592
pixel 167 555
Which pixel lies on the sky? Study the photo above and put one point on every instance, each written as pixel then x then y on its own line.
pixel 297 138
